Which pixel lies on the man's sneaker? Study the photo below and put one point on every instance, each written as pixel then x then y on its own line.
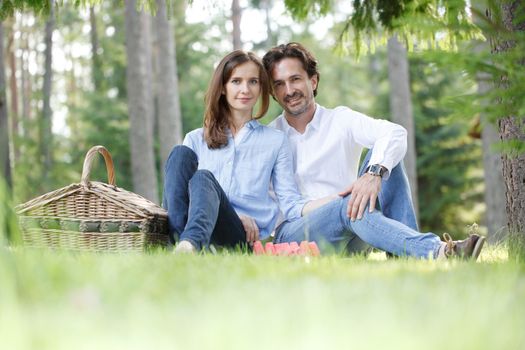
pixel 469 248
pixel 184 247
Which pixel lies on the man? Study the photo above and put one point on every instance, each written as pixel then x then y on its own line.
pixel 327 144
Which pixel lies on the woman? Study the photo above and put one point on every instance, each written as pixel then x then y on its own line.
pixel 217 184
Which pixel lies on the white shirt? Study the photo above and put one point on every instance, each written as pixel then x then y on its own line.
pixel 326 156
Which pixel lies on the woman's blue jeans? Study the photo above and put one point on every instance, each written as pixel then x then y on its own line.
pixel 392 229
pixel 198 209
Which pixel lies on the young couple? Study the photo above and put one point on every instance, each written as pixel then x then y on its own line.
pixel 235 181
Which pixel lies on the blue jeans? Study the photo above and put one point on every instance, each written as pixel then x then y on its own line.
pixel 393 229
pixel 198 209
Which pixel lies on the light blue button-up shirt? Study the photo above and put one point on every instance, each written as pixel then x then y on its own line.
pixel 246 170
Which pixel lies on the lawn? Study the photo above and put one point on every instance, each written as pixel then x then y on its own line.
pixel 51 300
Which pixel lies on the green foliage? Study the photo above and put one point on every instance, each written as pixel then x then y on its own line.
pixel 9 7
pixel 43 7
pixel 516 244
pixel 301 9
pixel 449 160
pixel 9 230
pixel 429 23
pixel 502 72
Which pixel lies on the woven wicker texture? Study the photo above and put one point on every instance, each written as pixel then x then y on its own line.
pixel 93 216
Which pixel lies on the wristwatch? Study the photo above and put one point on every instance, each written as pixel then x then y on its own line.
pixel 376 170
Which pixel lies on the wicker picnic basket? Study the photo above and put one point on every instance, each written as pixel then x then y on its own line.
pixel 93 216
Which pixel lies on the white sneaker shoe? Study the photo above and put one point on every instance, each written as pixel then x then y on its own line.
pixel 184 247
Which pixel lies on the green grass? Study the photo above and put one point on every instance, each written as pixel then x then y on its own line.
pixel 51 300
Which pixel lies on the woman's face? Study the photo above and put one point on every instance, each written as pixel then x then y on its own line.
pixel 243 88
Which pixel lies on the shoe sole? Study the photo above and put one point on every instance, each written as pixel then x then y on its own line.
pixel 477 248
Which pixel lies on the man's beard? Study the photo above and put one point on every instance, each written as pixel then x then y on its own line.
pixel 302 108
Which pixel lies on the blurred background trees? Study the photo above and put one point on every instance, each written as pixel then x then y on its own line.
pixel 103 79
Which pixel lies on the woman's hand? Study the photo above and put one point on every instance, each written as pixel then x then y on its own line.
pixel 250 226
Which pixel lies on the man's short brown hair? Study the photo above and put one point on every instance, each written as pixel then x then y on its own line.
pixel 292 50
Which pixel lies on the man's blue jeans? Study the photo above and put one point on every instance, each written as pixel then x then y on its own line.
pixel 393 229
pixel 198 209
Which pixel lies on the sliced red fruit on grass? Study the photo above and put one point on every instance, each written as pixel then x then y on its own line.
pixel 314 249
pixel 258 248
pixel 282 248
pixel 269 248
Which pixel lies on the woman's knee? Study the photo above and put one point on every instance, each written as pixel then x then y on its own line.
pixel 202 176
pixel 181 155
pixel 182 152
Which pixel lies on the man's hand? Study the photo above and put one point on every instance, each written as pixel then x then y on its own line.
pixel 364 190
pixel 250 226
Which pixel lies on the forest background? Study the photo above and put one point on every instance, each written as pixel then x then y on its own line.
pixel 134 81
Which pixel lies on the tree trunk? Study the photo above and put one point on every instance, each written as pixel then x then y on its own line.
pixel 13 84
pixel 25 82
pixel 46 136
pixel 96 66
pixel 401 107
pixel 236 21
pixel 267 9
pixel 169 111
pixel 140 102
pixel 495 217
pixel 5 163
pixel 512 127
pixel 13 87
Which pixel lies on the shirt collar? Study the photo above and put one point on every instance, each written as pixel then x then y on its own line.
pixel 316 120
pixel 252 124
pixel 314 123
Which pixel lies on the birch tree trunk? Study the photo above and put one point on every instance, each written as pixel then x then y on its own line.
pixel 169 111
pixel 512 127
pixel 46 136
pixel 236 21
pixel 140 102
pixel 5 163
pixel 401 107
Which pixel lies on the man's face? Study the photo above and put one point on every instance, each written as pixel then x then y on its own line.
pixel 292 87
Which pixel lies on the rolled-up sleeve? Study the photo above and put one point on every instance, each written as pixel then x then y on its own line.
pixel 290 200
pixel 388 140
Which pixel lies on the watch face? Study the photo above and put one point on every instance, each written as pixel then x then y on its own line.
pixel 375 169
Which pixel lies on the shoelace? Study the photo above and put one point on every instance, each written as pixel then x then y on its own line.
pixel 450 244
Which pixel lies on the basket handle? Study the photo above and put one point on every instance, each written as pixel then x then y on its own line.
pixel 88 162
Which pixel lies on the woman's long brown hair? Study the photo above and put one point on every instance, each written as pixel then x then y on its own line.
pixel 217 111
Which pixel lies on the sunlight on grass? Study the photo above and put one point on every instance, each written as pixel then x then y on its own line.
pixel 59 300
